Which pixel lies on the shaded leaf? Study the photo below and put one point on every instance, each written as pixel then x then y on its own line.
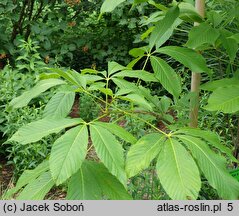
pixel 27 177
pixel 37 189
pixel 93 182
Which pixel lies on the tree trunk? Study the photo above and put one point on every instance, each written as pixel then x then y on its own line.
pixel 196 77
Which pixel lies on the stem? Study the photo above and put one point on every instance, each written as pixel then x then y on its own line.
pixel 127 113
pixel 196 77
pixel 18 25
pixel 31 6
pixel 236 150
pixel 145 63
pixel 106 95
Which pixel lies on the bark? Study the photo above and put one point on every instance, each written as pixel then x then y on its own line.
pixel 196 77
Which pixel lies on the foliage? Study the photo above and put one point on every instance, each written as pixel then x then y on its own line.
pixel 13 84
pixel 179 156
pixel 69 32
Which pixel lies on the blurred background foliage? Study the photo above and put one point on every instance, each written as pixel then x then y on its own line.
pixel 36 34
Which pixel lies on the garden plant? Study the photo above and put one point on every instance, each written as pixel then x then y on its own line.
pixel 103 128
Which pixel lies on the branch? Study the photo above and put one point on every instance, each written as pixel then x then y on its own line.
pixel 31 6
pixel 17 25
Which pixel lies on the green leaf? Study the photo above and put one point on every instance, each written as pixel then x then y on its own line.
pixel 157 5
pixel 141 74
pixel 106 91
pixel 143 152
pixel 40 87
pixel 68 152
pixel 60 105
pixel 147 33
pixel 211 86
pixel 164 29
pixel 189 13
pixel 235 37
pixel 214 168
pixel 123 84
pixel 71 76
pixel 27 177
pixel 139 1
pixel 110 5
pixel 139 100
pixel 166 75
pixel 109 151
pixel 197 39
pixel 224 99
pixel 118 131
pixel 133 62
pixel 177 172
pixel 34 131
pixel 114 67
pixel 92 78
pixel 212 138
pixel 37 189
pixel 138 52
pixel 229 44
pixel 188 57
pixel 93 182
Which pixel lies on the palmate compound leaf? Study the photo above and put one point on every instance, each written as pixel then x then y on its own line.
pixel 212 138
pixel 34 131
pixel 94 182
pixel 188 57
pixel 224 99
pixel 40 87
pixel 109 150
pixel 59 105
pixel 27 177
pixel 177 171
pixel 38 188
pixel 166 75
pixel 213 167
pixel 68 152
pixel 143 152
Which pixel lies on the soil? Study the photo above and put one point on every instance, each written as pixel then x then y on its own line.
pixel 6 182
pixel 6 174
